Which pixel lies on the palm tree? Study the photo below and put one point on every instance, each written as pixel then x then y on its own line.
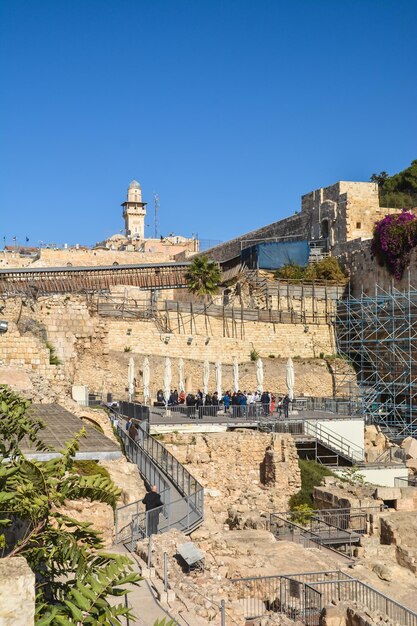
pixel 203 277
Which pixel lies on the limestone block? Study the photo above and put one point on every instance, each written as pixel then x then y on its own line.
pixel 333 616
pixel 17 592
pixel 410 446
pixel 388 493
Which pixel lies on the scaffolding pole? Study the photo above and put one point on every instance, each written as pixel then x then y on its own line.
pixel 378 334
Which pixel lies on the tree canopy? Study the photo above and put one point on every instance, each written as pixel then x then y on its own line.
pixel 203 276
pixel 75 578
pixel 399 190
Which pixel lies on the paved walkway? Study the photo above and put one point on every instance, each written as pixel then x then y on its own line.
pixel 144 605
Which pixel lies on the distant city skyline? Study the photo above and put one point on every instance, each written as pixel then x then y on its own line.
pixel 228 111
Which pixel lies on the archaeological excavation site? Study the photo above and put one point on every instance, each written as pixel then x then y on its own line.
pixel 222 437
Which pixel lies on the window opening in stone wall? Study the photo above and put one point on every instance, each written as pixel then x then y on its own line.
pixel 324 229
pixel 358 225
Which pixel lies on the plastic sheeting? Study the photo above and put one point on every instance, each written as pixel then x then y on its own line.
pixel 275 254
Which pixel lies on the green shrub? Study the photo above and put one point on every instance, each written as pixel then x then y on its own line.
pixel 291 271
pixel 271 356
pixel 254 355
pixel 90 468
pixel 53 359
pixel 312 474
pixel 302 514
pixel 326 269
pixel 128 349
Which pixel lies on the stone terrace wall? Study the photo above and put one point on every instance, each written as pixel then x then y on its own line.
pixel 95 350
pixel 290 226
pixel 365 271
pixel 71 256
pixel 208 342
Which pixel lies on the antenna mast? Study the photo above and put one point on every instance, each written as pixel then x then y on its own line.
pixel 156 204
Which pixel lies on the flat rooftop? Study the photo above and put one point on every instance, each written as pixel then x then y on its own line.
pixel 60 427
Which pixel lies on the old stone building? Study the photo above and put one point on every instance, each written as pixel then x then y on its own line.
pixel 329 218
pixel 129 246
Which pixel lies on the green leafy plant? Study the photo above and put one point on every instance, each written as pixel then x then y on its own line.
pixel 271 356
pixel 203 277
pixel 394 238
pixel 75 577
pixel 399 190
pixel 53 358
pixel 353 475
pixel 312 474
pixel 302 514
pixel 291 271
pixel 127 349
pixel 326 270
pixel 254 355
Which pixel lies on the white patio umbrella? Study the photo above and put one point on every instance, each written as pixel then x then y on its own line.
pixel 289 379
pixel 235 375
pixel 206 376
pixel 260 375
pixel 131 378
pixel 218 373
pixel 167 379
pixel 146 379
pixel 181 386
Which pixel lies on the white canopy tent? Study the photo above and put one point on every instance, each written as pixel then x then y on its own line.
pixel 181 386
pixel 167 379
pixel 260 375
pixel 146 380
pixel 218 373
pixel 235 375
pixel 290 378
pixel 131 378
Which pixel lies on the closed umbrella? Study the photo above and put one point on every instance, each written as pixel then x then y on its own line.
pixel 218 373
pixel 290 378
pixel 131 378
pixel 260 375
pixel 181 386
pixel 206 376
pixel 146 379
pixel 167 379
pixel 235 375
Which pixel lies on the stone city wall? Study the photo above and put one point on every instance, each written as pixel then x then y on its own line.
pixel 78 258
pixel 95 350
pixel 365 271
pixel 207 340
pixel 109 374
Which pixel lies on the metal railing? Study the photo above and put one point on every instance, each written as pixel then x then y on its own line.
pixel 318 534
pixel 133 410
pixel 391 455
pixel 405 482
pixel 355 518
pixel 159 467
pixel 303 596
pixel 310 428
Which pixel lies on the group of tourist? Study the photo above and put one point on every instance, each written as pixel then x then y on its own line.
pixel 231 402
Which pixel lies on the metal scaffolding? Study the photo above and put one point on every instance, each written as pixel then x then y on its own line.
pixel 378 334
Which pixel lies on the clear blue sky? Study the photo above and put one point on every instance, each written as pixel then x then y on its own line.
pixel 229 109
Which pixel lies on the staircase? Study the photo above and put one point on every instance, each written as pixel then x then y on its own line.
pixel 314 439
pixel 181 493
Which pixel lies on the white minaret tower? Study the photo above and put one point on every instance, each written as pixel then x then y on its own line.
pixel 134 211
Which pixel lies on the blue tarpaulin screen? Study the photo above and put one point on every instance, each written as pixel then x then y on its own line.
pixel 275 254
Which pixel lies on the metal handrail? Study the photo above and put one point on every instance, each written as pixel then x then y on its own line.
pixel 328 437
pixel 158 466
pixel 340 587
